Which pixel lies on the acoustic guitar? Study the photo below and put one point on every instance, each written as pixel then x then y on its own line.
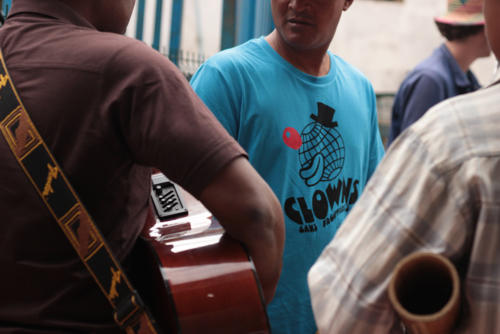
pixel 194 278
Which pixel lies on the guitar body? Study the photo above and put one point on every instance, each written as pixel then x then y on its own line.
pixel 196 279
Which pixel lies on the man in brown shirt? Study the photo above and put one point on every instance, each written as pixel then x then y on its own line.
pixel 109 108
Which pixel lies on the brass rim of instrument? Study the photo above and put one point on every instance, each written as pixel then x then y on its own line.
pixel 424 256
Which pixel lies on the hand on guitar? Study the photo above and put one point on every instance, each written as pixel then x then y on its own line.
pixel 250 213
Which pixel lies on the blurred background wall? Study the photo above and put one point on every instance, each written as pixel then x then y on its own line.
pixel 385 39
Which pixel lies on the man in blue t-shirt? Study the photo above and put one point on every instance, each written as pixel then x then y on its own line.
pixel 309 124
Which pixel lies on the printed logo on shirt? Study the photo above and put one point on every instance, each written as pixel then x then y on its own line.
pixel 321 153
pixel 321 147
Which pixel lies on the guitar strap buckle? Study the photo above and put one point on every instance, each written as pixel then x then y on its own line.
pixel 128 310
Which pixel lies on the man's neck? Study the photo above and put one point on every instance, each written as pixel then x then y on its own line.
pixel 463 54
pixel 314 62
pixel 84 8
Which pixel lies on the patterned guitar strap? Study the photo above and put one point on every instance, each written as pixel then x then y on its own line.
pixel 55 191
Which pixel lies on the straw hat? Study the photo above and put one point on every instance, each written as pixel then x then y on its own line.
pixel 463 12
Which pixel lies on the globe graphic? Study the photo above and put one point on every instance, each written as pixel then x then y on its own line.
pixel 318 139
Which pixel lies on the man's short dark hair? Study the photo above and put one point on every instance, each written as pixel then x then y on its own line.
pixel 458 32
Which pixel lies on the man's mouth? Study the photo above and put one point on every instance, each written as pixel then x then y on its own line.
pixel 296 21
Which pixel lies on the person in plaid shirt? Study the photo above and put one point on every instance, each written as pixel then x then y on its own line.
pixel 438 190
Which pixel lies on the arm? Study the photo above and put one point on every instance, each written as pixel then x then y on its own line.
pixel 167 126
pixel 241 200
pixel 250 212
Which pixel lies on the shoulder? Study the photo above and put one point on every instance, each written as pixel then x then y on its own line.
pixel 240 56
pixel 432 70
pixel 424 78
pixel 120 53
pixel 353 82
pixel 429 73
pixel 66 47
pixel 347 70
pixel 106 53
pixel 343 65
pixel 233 66
pixel 469 124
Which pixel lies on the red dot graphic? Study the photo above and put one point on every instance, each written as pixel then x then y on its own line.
pixel 292 139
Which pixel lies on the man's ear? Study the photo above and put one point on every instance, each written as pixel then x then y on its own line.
pixel 347 4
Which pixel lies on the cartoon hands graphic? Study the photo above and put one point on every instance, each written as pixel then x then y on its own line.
pixel 313 173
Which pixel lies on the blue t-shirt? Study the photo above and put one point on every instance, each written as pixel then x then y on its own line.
pixel 435 79
pixel 315 140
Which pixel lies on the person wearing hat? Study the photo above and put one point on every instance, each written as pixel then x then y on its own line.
pixel 446 73
pixel 308 121
pixel 436 190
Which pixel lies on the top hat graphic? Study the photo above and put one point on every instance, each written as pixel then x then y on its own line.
pixel 325 116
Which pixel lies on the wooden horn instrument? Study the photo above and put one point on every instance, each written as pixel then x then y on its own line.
pixel 425 292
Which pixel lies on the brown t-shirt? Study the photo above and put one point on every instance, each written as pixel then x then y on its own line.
pixel 109 108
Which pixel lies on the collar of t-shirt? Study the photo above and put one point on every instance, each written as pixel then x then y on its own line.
pixel 49 8
pixel 465 81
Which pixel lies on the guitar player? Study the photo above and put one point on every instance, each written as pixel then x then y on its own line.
pixel 109 108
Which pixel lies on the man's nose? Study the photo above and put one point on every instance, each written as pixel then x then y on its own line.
pixel 299 5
